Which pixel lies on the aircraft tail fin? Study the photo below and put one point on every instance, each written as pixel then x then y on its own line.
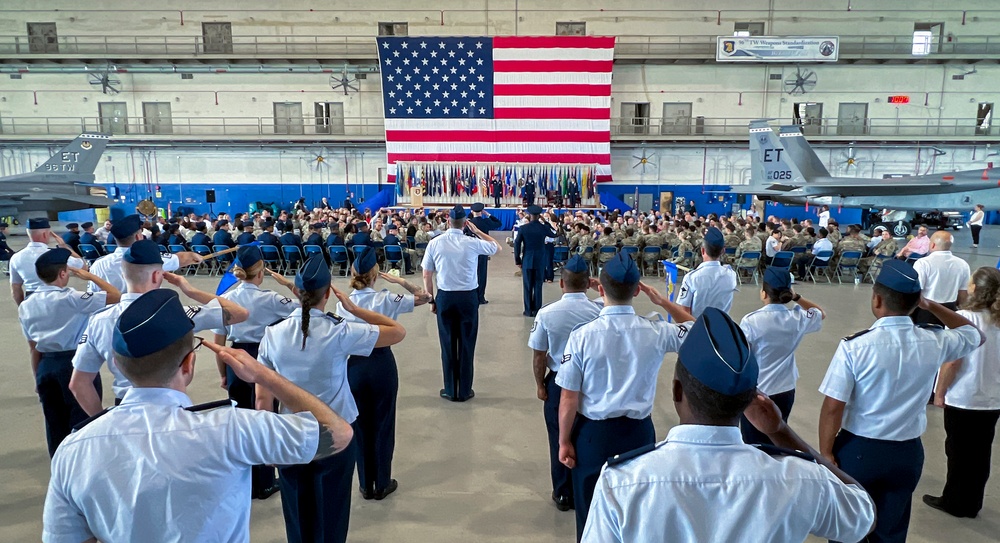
pixel 79 158
pixel 770 168
pixel 801 153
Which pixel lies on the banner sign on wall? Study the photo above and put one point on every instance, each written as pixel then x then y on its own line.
pixel 777 49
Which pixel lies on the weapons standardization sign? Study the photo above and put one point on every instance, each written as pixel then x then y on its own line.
pixel 777 49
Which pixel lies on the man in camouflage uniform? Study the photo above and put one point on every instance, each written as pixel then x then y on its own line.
pixel 750 244
pixel 733 240
pixel 852 242
pixel 685 247
pixel 650 238
pixel 606 239
pixel 886 247
pixel 833 227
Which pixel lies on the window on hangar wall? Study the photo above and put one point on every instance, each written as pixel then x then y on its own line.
pixel 571 29
pixel 394 29
pixel 748 28
pixel 927 38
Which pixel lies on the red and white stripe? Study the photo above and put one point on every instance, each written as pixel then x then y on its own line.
pixel 552 105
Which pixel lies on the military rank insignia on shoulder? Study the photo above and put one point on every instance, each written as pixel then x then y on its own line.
pixel 83 339
pixel 87 295
pixel 285 301
pixel 210 405
pixel 857 335
pixel 399 298
pixel 192 310
pixel 566 358
pixel 336 319
pixel 620 459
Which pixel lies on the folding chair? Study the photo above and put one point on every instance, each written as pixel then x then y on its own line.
pixel 393 256
pixel 748 262
pixel 631 250
pixel 272 258
pixel 89 253
pixel 848 263
pixel 207 265
pixel 730 255
pixel 222 261
pixel 783 261
pixel 588 255
pixel 293 259
pixel 418 252
pixel 914 257
pixel 310 250
pixel 560 254
pixel 163 248
pixel 650 255
pixel 820 263
pixel 411 242
pixel 338 256
pixel 875 268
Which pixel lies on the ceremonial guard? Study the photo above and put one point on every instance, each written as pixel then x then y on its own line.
pixel 266 307
pixel 23 280
pixel 774 332
pixel 711 284
pixel 529 191
pixel 496 189
pixel 453 257
pixel 529 255
pixel 310 348
pixel 485 223
pixel 374 379
pixel 876 394
pixel 127 231
pixel 573 192
pixel 53 320
pixel 549 334
pixel 608 379
pixel 157 468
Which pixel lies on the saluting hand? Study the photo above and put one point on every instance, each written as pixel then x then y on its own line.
pixel 244 366
pixel 392 278
pixel 344 300
pixel 177 281
pixel 654 295
pixel 81 273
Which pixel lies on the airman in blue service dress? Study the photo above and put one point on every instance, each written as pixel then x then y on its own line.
pixel 312 352
pixel 704 484
pixel 876 394
pixel 22 264
pixel 549 334
pixel 266 307
pixel 608 376
pixel 487 223
pixel 529 255
pixel 711 284
pixel 53 321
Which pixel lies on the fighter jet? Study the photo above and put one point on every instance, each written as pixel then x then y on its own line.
pixel 62 183
pixel 784 168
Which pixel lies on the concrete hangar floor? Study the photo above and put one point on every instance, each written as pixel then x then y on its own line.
pixel 478 471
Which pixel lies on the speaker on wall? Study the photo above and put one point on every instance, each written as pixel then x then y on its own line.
pixel 210 196
pixel 741 199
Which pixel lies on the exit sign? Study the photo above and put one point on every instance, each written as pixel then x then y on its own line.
pixel 901 99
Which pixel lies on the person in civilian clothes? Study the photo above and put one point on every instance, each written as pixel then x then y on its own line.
pixel 529 255
pixel 310 348
pixel 704 484
pixel 976 223
pixel 969 391
pixel 711 284
pixel 265 307
pixel 451 260
pixel 53 321
pixel 943 277
pixel 374 379
pixel 549 334
pixel 485 223
pixel 774 332
pixel 608 378
pixel 876 394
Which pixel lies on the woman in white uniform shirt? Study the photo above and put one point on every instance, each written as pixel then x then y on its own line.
pixel 774 332
pixel 310 348
pixel 374 379
pixel 266 307
pixel 969 391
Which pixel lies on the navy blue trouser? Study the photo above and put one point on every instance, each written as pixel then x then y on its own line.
pixel 261 477
pixel 532 291
pixel 562 480
pixel 889 472
pixel 751 435
pixel 316 498
pixel 375 383
pixel 61 410
pixel 484 262
pixel 596 441
pixel 550 255
pixel 968 445
pixel 458 328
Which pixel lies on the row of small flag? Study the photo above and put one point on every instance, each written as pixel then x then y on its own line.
pixel 472 179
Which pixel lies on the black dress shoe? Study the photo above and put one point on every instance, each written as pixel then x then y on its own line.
pixel 483 301
pixel 937 502
pixel 472 394
pixel 526 313
pixel 446 396
pixel 563 503
pixel 367 493
pixel 266 493
pixel 381 494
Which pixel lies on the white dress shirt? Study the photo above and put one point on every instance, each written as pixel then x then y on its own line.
pixel 709 285
pixel 109 268
pixel 266 307
pixel 613 362
pixel 554 322
pixel 774 332
pixel 321 368
pixel 151 471
pixel 455 258
pixel 384 302
pixel 977 218
pixel 703 484
pixel 824 219
pixel 977 383
pixel 885 375
pixel 22 266
pixel 54 318
pixel 822 244
pixel 96 346
pixel 772 246
pixel 942 275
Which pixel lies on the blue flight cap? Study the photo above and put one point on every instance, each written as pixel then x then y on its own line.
pixel 150 323
pixel 717 354
pixel 317 225
pixel 126 226
pixel 778 279
pixel 314 274
pixel 38 223
pixel 86 225
pixel 457 212
pixel 143 252
pixel 576 264
pixel 714 238
pixel 72 225
pixel 52 257
pixel 268 223
pixel 477 207
pixel 365 261
pixel 622 269
pixel 248 255
pixel 221 223
pixel 899 276
pixel 534 210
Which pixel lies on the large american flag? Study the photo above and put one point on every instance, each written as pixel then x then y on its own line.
pixel 521 100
